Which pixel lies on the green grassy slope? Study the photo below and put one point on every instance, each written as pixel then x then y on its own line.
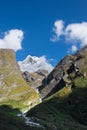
pixel 14 90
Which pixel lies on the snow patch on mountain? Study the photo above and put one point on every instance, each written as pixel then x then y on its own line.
pixel 34 63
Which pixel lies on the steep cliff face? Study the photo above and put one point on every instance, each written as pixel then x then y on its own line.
pixel 64 73
pixel 13 88
pixel 34 79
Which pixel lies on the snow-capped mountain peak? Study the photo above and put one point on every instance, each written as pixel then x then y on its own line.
pixel 34 63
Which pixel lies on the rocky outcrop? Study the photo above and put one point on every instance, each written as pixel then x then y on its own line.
pixel 13 88
pixel 34 79
pixel 64 73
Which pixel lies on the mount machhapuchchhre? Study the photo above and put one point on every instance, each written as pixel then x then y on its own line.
pixel 63 92
pixel 34 63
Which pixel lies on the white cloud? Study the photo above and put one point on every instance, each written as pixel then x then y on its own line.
pixel 74 48
pixel 75 33
pixel 58 30
pixel 12 40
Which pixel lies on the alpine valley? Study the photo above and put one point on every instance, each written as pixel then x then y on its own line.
pixel 36 96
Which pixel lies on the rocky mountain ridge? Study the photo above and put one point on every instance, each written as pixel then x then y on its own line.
pixel 64 94
pixel 64 73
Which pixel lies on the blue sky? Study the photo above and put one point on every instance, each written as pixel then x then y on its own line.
pixel 36 18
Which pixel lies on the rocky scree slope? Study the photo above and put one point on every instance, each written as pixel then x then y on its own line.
pixel 13 88
pixel 64 73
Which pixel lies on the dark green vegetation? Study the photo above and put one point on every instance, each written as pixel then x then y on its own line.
pixel 66 109
pixel 10 121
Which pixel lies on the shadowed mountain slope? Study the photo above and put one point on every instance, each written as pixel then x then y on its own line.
pixel 66 107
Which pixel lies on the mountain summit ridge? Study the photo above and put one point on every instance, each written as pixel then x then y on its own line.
pixel 34 63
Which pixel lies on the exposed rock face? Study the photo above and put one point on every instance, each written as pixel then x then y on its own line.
pixel 35 79
pixel 64 73
pixel 13 88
